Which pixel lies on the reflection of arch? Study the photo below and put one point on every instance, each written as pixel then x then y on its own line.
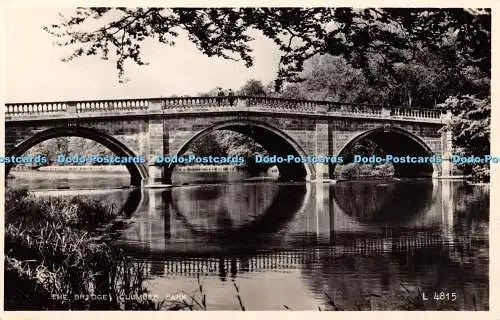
pixel 138 172
pixel 377 202
pixel 286 203
pixel 275 141
pixel 135 201
pixel 398 142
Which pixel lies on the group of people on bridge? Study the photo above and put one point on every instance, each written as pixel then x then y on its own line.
pixel 221 94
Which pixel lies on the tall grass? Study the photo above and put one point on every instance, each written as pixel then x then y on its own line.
pixel 53 261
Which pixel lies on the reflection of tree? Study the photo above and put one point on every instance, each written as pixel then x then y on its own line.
pixel 383 202
pixel 471 221
pixel 380 282
pixel 474 196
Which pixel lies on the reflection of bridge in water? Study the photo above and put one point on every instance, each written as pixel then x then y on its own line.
pixel 244 228
pixel 350 239
pixel 222 266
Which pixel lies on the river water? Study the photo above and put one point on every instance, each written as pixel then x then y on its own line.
pixel 351 245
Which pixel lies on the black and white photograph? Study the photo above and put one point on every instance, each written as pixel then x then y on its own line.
pixel 247 158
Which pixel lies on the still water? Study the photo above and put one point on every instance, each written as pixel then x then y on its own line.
pixel 353 245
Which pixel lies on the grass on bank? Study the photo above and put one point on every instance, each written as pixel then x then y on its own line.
pixel 53 261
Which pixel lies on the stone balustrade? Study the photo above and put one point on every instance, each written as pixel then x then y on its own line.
pixel 197 104
pixel 417 113
pixel 128 104
pixel 35 108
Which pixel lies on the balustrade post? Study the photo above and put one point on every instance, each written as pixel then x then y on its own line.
pixel 386 112
pixel 249 102
pixel 71 109
pixel 321 108
pixel 155 105
pixel 447 145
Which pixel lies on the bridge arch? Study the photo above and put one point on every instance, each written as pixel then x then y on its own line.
pixel 138 172
pixel 274 140
pixel 399 142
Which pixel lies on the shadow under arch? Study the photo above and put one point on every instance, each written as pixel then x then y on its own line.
pixel 135 200
pixel 138 172
pixel 275 141
pixel 383 202
pixel 399 143
pixel 288 201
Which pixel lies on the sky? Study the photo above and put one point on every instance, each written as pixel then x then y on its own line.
pixel 35 72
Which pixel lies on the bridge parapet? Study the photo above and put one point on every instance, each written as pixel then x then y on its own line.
pixel 215 104
pixel 128 104
pixel 13 109
pixel 54 108
pixel 416 113
pixel 350 109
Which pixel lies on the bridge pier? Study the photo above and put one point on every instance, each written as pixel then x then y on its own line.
pixel 155 176
pixel 158 139
pixel 322 148
pixel 447 149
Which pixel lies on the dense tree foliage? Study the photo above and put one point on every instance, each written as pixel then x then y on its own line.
pixel 253 88
pixel 70 146
pixel 394 35
pixel 471 130
pixel 417 85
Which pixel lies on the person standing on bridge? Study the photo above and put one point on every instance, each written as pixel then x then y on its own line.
pixel 231 98
pixel 220 94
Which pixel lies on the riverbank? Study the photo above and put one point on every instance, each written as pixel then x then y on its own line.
pixel 72 168
pixel 55 262
pixel 209 167
pixel 121 168
pixel 356 170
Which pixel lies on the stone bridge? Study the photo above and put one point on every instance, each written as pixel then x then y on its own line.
pixel 168 126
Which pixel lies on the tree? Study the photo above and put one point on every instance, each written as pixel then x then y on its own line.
pixel 461 36
pixel 420 83
pixel 50 148
pixel 253 88
pixel 471 130
pixel 241 145
pixel 211 93
pixel 76 145
pixel 207 145
pixel 331 78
